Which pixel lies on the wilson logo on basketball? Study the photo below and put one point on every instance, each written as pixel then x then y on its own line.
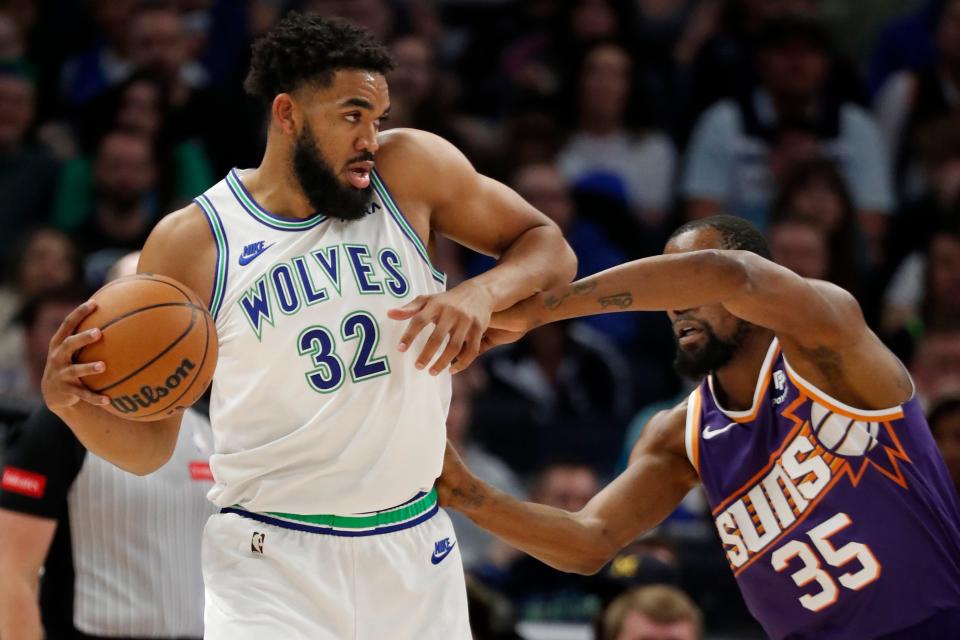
pixel 151 395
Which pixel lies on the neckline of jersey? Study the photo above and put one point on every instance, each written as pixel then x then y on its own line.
pixel 749 414
pixel 251 206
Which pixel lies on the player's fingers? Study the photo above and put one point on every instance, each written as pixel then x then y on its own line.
pixel 454 346
pixel 440 331
pixel 414 327
pixel 408 310
pixel 85 369
pixel 79 340
pixel 69 324
pixel 469 352
pixel 89 396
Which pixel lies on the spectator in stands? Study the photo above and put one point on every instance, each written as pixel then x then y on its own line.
pixel 925 294
pixel 159 44
pixel 800 244
pixel 44 259
pixel 816 191
pixel 907 41
pixel 729 159
pixel 656 612
pixel 936 366
pixel 106 62
pixel 944 421
pixel 28 175
pixel 11 41
pixel 912 99
pixel 609 153
pixel 40 318
pixel 123 205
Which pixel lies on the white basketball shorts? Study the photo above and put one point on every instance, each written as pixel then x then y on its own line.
pixel 394 574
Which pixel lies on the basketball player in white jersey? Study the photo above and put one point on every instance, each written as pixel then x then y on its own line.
pixel 328 437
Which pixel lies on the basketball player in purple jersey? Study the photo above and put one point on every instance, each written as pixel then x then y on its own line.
pixel 835 510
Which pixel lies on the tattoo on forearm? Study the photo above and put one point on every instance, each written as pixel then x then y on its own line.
pixel 579 288
pixel 619 300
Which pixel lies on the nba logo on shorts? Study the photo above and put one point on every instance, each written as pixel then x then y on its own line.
pixel 256 543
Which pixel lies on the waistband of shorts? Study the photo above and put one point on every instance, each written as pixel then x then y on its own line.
pixel 409 514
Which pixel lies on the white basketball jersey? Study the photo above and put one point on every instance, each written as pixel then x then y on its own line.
pixel 314 409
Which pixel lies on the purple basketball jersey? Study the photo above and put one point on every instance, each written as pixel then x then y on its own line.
pixel 838 523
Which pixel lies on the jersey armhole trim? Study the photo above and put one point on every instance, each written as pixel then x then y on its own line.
pixel 692 430
pixel 818 396
pixel 381 188
pixel 223 254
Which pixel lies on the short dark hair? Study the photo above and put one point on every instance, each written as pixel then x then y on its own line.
pixel 74 293
pixel 736 232
pixel 304 48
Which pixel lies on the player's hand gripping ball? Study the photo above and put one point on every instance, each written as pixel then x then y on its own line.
pixel 159 345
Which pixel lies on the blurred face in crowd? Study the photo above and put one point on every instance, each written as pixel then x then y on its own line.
pixel 818 200
pixel 16 110
pixel 801 247
pixel 707 337
pixel 944 271
pixel 11 44
pixel 48 262
pixel 948 34
pixel 157 42
pixel 113 18
pixel 139 111
pixel 413 78
pixel 124 172
pixel 605 85
pixel 38 335
pixel 936 365
pixel 637 626
pixel 545 188
pixel 374 15
pixel 793 70
pixel 946 431
pixel 567 487
pixel 593 21
pixel 333 170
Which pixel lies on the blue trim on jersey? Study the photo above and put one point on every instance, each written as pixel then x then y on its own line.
pixel 401 221
pixel 223 253
pixel 261 215
pixel 343 533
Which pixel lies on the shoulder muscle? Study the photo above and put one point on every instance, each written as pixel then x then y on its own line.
pixel 182 247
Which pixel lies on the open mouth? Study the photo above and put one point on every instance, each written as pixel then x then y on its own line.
pixel 358 173
pixel 688 332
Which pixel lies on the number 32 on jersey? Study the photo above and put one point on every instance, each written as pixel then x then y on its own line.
pixel 811 569
pixel 328 372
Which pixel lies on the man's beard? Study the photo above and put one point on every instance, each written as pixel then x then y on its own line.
pixel 714 354
pixel 326 194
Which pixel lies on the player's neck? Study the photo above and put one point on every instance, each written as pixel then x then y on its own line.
pixel 735 383
pixel 274 187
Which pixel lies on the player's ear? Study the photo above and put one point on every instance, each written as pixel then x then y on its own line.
pixel 284 113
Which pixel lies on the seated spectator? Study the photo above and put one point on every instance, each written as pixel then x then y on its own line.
pixel 138 106
pixel 800 245
pixel 912 99
pixel 905 42
pixel 935 366
pixel 122 207
pixel 475 543
pixel 730 154
pixel 28 175
pixel 608 153
pixel 816 191
pixel 944 421
pixel 40 318
pixel 563 388
pixel 44 259
pixel 656 612
pixel 540 593
pixel 107 61
pixel 925 293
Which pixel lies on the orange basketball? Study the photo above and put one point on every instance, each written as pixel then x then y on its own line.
pixel 159 345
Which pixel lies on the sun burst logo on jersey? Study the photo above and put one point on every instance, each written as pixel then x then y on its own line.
pixel 820 450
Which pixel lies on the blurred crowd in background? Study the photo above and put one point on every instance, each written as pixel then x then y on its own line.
pixel 834 126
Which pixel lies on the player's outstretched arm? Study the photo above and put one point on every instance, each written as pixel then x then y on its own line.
pixel 583 542
pixel 179 247
pixel 486 216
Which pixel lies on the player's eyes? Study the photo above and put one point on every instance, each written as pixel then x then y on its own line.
pixel 353 117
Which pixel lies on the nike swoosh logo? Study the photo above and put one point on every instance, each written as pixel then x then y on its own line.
pixel 437 558
pixel 246 259
pixel 708 434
